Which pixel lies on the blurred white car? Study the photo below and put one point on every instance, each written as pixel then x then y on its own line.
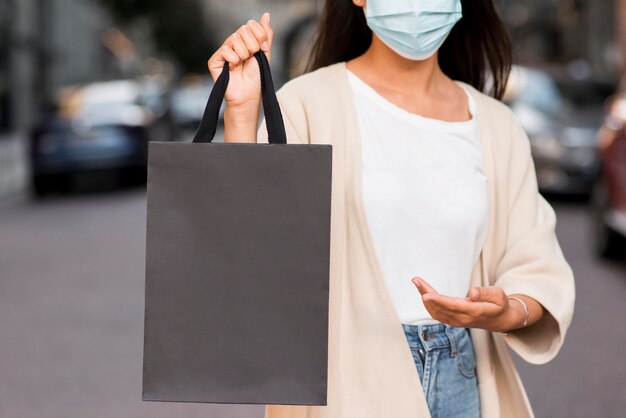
pixel 561 118
pixel 187 104
pixel 99 126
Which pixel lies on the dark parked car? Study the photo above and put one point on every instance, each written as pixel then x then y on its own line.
pixel 98 127
pixel 609 196
pixel 561 118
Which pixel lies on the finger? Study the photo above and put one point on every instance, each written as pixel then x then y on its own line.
pixel 259 33
pixel 265 22
pixel 216 63
pixel 449 303
pixel 436 310
pixel 422 285
pixel 462 306
pixel 491 294
pixel 418 284
pixel 249 39
pixel 443 314
pixel 237 44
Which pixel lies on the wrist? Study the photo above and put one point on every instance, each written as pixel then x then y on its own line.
pixel 515 316
pixel 241 122
pixel 246 109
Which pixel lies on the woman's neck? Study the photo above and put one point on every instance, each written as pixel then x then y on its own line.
pixel 401 74
pixel 419 87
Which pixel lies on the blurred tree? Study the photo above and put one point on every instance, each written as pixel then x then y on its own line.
pixel 178 27
pixel 6 15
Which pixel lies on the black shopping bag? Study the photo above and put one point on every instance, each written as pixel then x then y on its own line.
pixel 237 265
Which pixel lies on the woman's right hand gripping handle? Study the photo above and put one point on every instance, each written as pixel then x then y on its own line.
pixel 243 94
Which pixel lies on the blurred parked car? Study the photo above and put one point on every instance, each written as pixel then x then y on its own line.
pixel 187 105
pixel 561 118
pixel 99 126
pixel 154 95
pixel 609 195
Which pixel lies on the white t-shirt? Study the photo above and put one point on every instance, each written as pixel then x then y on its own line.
pixel 425 198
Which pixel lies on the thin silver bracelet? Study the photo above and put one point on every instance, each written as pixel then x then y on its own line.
pixel 525 309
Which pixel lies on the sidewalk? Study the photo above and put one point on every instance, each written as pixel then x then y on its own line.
pixel 13 166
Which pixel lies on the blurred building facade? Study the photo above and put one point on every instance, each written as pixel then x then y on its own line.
pixel 46 44
pixel 583 33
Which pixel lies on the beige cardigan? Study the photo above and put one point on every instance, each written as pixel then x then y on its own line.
pixel 371 373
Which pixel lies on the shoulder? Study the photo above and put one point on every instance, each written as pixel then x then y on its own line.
pixel 490 107
pixel 311 101
pixel 312 87
pixel 307 101
pixel 499 123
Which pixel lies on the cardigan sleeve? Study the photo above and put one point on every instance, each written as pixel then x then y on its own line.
pixel 533 263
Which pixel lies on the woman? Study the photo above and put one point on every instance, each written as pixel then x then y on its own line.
pixel 439 236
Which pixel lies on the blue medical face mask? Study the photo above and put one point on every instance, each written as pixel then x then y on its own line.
pixel 415 29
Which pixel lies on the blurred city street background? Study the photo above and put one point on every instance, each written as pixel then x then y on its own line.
pixel 85 84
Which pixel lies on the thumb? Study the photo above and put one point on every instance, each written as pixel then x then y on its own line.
pixel 492 294
pixel 265 22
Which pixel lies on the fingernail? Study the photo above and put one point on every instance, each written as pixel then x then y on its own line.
pixel 264 45
pixel 268 17
pixel 417 283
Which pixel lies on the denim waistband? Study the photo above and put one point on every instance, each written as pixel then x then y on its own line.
pixel 432 336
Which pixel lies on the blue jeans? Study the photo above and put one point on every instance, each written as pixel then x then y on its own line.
pixel 446 364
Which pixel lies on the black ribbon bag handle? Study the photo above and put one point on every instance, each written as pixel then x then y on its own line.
pixel 273 116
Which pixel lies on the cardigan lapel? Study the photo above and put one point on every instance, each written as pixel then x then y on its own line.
pixel 481 338
pixel 488 171
pixel 355 189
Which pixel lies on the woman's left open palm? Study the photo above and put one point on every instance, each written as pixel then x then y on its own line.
pixel 485 307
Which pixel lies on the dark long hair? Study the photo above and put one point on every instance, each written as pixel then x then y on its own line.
pixel 478 50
